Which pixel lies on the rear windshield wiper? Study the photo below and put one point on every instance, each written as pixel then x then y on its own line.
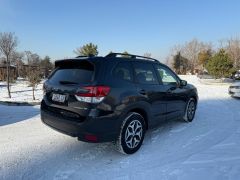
pixel 67 82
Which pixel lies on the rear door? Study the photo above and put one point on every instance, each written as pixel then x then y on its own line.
pixel 175 95
pixel 149 89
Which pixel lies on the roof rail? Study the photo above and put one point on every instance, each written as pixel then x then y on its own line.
pixel 81 56
pixel 90 55
pixel 132 56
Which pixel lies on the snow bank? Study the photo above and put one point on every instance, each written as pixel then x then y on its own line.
pixel 20 92
pixel 207 148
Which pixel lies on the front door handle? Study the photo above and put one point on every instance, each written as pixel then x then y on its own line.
pixel 169 91
pixel 143 92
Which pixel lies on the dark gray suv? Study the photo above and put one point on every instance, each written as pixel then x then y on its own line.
pixel 112 98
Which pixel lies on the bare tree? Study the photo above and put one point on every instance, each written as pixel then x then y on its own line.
pixel 35 59
pixel 169 61
pixel 46 66
pixel 190 50
pixel 8 43
pixel 34 78
pixel 147 54
pixel 17 60
pixel 32 60
pixel 28 55
pixel 233 49
pixel 222 43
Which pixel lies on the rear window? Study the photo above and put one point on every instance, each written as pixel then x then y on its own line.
pixel 73 73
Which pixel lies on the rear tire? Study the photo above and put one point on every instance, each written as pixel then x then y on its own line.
pixel 190 110
pixel 131 134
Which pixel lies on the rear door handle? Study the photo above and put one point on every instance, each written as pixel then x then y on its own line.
pixel 143 92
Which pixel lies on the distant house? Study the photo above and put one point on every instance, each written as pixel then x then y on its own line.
pixel 3 72
pixel 44 72
pixel 24 69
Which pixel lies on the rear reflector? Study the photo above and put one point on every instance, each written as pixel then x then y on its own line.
pixel 92 138
pixel 94 94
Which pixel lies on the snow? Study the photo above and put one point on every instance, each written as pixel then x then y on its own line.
pixel 20 92
pixel 207 148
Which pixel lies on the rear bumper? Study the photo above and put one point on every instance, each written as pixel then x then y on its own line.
pixel 104 129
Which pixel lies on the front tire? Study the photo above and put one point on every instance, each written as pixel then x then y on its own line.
pixel 131 134
pixel 190 110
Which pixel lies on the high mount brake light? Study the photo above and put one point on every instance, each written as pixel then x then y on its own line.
pixel 94 94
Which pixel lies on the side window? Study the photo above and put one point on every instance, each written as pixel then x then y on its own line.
pixel 144 73
pixel 123 71
pixel 165 75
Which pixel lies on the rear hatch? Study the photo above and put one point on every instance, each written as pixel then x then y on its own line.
pixel 72 86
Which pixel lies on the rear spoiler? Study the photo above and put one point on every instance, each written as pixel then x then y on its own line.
pixel 74 63
pixel 59 63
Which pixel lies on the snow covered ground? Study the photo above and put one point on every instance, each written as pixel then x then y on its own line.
pixel 207 148
pixel 20 91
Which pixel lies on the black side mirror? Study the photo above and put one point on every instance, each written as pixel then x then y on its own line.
pixel 183 83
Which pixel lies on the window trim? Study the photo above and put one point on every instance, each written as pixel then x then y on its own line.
pixel 166 67
pixel 131 71
pixel 93 64
pixel 154 72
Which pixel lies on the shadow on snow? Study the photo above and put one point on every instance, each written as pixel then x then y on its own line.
pixel 14 114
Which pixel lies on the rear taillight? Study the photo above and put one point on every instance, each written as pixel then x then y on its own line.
pixel 94 94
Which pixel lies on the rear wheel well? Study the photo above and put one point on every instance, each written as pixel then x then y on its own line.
pixel 142 113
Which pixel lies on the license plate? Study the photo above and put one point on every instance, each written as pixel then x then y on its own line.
pixel 59 98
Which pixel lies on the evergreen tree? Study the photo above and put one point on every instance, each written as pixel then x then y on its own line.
pixel 125 54
pixel 180 64
pixel 46 66
pixel 177 62
pixel 87 50
pixel 203 57
pixel 220 65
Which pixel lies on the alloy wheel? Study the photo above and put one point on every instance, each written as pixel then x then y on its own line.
pixel 133 134
pixel 191 110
